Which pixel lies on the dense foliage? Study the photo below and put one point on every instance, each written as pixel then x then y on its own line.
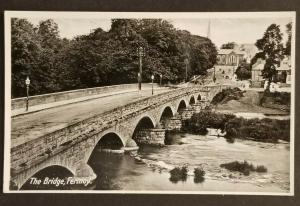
pixel 264 130
pixel 227 94
pixel 199 122
pixel 229 45
pixel 104 58
pixel 288 43
pixel 243 71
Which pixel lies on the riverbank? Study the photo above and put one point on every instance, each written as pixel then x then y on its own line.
pixel 249 102
pixel 264 130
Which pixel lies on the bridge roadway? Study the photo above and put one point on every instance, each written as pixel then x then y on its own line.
pixel 66 136
pixel 27 127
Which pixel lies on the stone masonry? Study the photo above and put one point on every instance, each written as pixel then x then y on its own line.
pixel 72 146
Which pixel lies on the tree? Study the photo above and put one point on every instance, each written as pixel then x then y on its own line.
pixel 229 45
pixel 243 71
pixel 288 43
pixel 106 58
pixel 271 50
pixel 25 50
pixel 51 44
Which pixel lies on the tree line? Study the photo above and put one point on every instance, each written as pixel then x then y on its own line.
pixel 103 58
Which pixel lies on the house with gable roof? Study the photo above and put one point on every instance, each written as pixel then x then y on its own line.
pixel 227 62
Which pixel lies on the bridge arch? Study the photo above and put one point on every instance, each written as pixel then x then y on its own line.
pixel 199 97
pixel 50 171
pixel 145 122
pixel 182 105
pixel 110 140
pixel 166 115
pixel 167 112
pixel 192 100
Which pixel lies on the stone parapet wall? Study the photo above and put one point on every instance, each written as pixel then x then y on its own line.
pixel 18 103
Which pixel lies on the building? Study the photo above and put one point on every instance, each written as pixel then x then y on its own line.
pixel 227 62
pixel 284 71
pixel 256 73
pixel 283 75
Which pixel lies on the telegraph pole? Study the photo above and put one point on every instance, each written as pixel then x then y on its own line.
pixel 141 53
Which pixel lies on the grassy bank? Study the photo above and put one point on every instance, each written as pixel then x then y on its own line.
pixel 235 100
pixel 276 100
pixel 265 130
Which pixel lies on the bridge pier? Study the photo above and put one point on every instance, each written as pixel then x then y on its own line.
pixel 174 123
pixel 187 113
pixel 85 171
pixel 130 146
pixel 155 136
pixel 197 107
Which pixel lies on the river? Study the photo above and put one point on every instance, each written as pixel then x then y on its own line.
pixel 148 169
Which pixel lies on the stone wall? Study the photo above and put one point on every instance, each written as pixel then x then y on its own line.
pixel 67 95
pixel 154 136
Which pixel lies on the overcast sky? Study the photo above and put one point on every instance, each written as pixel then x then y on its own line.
pixel 221 30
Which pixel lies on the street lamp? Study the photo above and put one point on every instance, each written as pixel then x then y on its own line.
pixel 152 78
pixel 139 80
pixel 141 53
pixel 27 82
pixel 160 80
pixel 186 61
pixel 214 78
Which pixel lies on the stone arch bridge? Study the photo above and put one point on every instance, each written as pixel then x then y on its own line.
pixel 144 121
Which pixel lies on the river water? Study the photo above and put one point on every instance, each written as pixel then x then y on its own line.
pixel 148 169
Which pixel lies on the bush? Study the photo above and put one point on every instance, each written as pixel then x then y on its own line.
pixel 178 174
pixel 226 95
pixel 243 167
pixel 265 130
pixel 199 175
pixel 243 72
pixel 261 168
pixel 199 122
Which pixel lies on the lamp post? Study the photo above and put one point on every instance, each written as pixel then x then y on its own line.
pixel 152 78
pixel 27 82
pixel 139 80
pixel 160 80
pixel 186 61
pixel 141 53
pixel 214 78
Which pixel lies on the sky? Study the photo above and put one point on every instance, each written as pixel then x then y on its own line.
pixel 222 30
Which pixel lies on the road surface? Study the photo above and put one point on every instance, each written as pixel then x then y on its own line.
pixel 30 126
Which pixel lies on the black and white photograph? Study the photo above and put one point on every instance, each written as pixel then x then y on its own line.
pixel 154 103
